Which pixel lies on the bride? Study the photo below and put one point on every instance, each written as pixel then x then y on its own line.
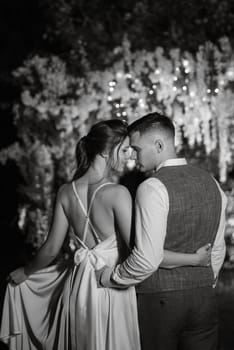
pixel 49 308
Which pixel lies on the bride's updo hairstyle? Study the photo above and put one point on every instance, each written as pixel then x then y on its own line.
pixel 102 138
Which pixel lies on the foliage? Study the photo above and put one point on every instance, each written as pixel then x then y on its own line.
pixel 98 26
pixel 78 30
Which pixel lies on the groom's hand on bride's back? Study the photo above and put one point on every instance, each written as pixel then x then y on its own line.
pixel 98 274
pixel 204 255
pixel 103 278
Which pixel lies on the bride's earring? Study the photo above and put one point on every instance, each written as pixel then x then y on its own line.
pixel 104 155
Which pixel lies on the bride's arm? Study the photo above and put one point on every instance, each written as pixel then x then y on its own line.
pixel 50 249
pixel 202 257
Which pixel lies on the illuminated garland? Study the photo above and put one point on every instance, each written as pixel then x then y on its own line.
pixel 195 91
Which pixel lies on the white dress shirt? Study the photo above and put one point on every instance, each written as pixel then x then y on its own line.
pixel 152 206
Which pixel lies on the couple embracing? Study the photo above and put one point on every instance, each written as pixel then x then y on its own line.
pixel 174 264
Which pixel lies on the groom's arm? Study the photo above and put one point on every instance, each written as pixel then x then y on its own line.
pixel 152 205
pixel 219 246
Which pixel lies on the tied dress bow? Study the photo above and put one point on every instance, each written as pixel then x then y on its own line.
pixel 94 258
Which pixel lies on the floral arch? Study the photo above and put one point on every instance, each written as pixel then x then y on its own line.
pixel 56 108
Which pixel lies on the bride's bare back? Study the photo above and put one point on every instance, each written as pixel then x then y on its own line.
pixel 109 211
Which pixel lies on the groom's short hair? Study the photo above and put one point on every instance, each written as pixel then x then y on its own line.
pixel 153 121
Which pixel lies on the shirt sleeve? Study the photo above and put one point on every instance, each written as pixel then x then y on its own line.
pixel 219 247
pixel 152 206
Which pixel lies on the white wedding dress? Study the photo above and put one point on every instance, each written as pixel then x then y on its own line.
pixel 65 310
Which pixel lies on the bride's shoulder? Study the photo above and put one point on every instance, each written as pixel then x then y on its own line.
pixel 117 191
pixel 64 191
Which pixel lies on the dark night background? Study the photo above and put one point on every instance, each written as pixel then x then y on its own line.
pixel 82 32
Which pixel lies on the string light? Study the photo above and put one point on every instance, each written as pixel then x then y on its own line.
pixel 128 76
pixel 141 103
pixel 119 75
pixel 230 73
pixel 185 63
pixel 192 94
pixel 112 83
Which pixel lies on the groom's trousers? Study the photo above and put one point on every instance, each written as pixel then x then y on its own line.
pixel 179 320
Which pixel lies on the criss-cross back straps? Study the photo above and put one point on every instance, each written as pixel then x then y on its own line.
pixel 87 212
pixel 76 238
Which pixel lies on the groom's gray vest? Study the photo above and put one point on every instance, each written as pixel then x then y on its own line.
pixel 193 220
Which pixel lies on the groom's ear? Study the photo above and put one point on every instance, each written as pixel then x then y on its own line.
pixel 159 145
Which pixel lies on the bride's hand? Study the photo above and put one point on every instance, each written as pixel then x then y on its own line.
pixel 17 276
pixel 204 255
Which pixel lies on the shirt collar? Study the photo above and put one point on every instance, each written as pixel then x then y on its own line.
pixel 172 162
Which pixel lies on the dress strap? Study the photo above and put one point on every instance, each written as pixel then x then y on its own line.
pixel 81 242
pixel 94 194
pixel 86 212
pixel 79 200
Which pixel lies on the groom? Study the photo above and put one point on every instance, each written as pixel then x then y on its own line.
pixel 180 208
